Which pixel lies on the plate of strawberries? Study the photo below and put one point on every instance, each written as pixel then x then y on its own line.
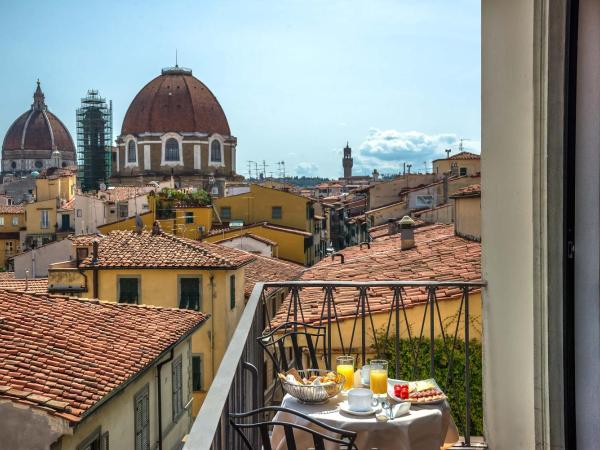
pixel 421 392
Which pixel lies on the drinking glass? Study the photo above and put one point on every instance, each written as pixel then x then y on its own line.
pixel 345 367
pixel 378 376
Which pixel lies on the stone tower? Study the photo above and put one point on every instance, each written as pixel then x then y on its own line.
pixel 347 161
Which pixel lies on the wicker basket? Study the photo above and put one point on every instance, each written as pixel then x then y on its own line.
pixel 313 394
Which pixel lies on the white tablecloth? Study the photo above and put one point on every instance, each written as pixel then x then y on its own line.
pixel 427 427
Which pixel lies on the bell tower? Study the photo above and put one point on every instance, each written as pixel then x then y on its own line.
pixel 347 161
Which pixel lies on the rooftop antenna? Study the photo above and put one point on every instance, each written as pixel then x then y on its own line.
pixel 448 150
pixel 460 144
pixel 176 58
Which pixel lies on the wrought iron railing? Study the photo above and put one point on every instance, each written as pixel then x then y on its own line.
pixel 374 320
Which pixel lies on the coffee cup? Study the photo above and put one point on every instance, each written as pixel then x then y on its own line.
pixel 361 400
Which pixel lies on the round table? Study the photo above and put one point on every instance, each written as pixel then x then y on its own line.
pixel 425 427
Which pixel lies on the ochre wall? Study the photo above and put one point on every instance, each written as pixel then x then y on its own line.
pixel 256 206
pixel 441 166
pixel 33 216
pixel 468 217
pixel 290 245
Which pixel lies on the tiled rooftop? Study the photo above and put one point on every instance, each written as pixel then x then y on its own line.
pixel 473 190
pixel 216 230
pixel 64 354
pixel 35 285
pixel 383 230
pixel 124 249
pixel 122 193
pixel 85 239
pixel 462 155
pixel 12 209
pixel 264 268
pixel 438 255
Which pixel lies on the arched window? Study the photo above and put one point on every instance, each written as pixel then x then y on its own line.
pixel 131 152
pixel 215 151
pixel 172 150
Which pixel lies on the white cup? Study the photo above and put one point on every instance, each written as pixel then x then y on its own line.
pixel 361 400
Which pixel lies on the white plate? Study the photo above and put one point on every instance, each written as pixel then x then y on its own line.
pixel 345 407
pixel 392 382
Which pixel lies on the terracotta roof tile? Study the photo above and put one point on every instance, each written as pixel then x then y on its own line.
pixel 438 255
pixel 12 209
pixel 264 268
pixel 250 235
pixel 147 250
pixel 473 190
pixel 121 193
pixel 34 285
pixel 64 354
pixel 462 155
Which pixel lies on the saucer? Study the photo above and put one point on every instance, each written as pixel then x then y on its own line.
pixel 346 408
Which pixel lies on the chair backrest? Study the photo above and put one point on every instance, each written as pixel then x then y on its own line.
pixel 295 421
pixel 295 336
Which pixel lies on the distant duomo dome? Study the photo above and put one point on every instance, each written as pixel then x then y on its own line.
pixel 34 138
pixel 175 126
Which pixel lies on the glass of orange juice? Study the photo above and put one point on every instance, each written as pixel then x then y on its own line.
pixel 378 376
pixel 345 367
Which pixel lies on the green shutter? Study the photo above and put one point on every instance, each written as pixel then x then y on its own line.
pixel 128 290
pixel 197 372
pixel 232 291
pixel 190 293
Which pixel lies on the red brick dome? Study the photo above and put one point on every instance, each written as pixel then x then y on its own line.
pixel 175 101
pixel 36 131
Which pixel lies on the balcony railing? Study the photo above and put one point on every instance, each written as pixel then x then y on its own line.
pixel 424 328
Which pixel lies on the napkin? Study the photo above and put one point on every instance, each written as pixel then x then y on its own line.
pixel 400 409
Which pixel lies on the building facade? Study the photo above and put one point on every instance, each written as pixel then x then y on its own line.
pixel 176 127
pixel 36 140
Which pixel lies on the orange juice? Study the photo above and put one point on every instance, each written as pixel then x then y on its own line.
pixel 378 378
pixel 347 370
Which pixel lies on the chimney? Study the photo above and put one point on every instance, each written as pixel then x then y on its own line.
pixel 407 233
pixel 445 189
pixel 95 251
pixel 156 228
pixel 392 229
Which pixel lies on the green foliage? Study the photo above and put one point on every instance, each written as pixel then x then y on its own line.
pixel 453 387
pixel 168 198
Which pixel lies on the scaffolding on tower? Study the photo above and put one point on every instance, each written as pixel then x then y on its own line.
pixel 94 141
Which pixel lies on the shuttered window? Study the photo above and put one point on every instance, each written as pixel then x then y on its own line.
pixel 232 291
pixel 190 293
pixel 142 420
pixel 129 290
pixel 197 369
pixel 177 387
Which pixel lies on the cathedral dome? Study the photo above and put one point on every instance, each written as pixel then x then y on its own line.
pixel 39 130
pixel 34 136
pixel 175 101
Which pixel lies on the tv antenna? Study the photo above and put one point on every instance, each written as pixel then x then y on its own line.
pixel 460 144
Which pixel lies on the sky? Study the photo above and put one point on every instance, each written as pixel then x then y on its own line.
pixel 397 79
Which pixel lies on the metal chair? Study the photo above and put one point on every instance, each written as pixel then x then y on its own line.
pixel 292 335
pixel 344 438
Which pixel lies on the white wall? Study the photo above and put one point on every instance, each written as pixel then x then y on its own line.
pixel 36 261
pixel 587 228
pixel 92 214
pixel 508 118
pixel 250 245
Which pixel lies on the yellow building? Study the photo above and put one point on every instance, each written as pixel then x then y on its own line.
pixel 292 244
pixel 191 222
pixel 97 375
pixel 461 164
pixel 279 208
pixel 160 269
pixel 50 216
pixel 12 221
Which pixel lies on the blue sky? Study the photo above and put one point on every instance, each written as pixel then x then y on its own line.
pixel 400 80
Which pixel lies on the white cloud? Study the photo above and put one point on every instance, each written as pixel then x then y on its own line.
pixel 306 169
pixel 387 150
